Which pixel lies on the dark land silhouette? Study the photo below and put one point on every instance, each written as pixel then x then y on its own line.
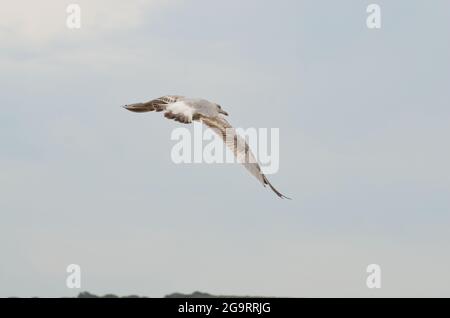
pixel 196 294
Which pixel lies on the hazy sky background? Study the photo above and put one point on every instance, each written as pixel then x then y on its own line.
pixel 364 129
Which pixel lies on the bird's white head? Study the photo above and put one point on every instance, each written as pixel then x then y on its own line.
pixel 220 110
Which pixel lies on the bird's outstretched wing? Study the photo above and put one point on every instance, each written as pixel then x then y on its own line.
pixel 239 147
pixel 173 106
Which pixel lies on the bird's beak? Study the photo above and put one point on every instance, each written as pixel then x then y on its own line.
pixel 223 112
pixel 138 107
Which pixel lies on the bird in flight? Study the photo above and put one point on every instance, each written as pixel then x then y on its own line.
pixel 185 110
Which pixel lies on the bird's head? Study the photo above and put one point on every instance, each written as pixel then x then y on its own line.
pixel 220 110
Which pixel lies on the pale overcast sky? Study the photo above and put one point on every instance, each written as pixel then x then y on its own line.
pixel 364 148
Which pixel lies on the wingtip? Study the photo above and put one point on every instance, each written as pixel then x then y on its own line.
pixel 282 196
pixel 278 193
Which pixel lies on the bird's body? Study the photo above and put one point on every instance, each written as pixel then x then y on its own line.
pixel 186 110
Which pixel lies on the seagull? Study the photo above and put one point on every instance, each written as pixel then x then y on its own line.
pixel 186 110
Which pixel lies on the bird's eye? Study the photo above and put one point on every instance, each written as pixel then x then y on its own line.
pixel 219 106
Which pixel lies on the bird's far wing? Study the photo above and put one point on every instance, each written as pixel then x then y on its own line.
pixel 239 147
pixel 173 105
pixel 158 104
